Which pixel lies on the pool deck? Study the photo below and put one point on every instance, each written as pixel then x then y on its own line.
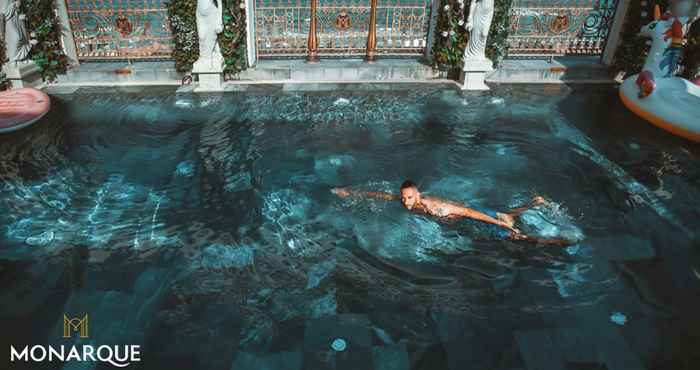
pixel 329 74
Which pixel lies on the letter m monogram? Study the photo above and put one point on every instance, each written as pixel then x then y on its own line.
pixel 75 324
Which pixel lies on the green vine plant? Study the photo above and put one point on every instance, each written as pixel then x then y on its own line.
pixel 3 54
pixel 44 31
pixel 497 43
pixel 183 23
pixel 181 15
pixel 691 53
pixel 451 35
pixel 4 81
pixel 233 40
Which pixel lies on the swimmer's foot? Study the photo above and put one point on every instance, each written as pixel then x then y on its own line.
pixel 516 212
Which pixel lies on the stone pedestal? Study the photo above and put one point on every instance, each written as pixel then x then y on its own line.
pixel 210 75
pixel 474 73
pixel 23 74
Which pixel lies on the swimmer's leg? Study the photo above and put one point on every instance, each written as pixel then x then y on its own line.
pixel 557 242
pixel 510 217
pixel 535 201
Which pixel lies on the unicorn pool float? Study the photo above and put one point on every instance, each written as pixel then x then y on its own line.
pixel 656 94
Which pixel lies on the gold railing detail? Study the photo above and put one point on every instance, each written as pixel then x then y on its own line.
pixel 120 29
pixel 560 27
pixel 371 52
pixel 343 27
pixel 312 44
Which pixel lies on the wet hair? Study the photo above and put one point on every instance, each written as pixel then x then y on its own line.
pixel 408 184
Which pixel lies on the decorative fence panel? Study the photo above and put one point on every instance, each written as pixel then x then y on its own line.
pixel 120 29
pixel 343 26
pixel 561 27
pixel 282 27
pixel 402 26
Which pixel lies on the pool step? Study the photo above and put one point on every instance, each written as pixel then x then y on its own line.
pixel 122 73
pixel 570 69
pixel 339 70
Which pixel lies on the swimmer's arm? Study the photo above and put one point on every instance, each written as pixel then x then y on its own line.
pixel 344 193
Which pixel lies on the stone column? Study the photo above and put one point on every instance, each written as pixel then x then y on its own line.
pixel 209 68
pixel 66 36
pixel 474 73
pixel 251 50
pixel 616 28
pixel 475 63
pixel 434 10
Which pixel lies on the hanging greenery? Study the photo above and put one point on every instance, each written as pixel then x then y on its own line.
pixel 451 35
pixel 181 14
pixel 43 26
pixel 183 23
pixel 691 52
pixel 497 44
pixel 3 56
pixel 633 49
pixel 232 40
pixel 4 81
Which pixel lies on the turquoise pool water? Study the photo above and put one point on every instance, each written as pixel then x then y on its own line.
pixel 203 229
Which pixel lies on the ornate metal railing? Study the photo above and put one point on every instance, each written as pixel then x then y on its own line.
pixel 402 26
pixel 120 29
pixel 563 27
pixel 282 27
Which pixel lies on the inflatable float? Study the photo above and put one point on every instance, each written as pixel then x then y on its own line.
pixel 669 102
pixel 21 107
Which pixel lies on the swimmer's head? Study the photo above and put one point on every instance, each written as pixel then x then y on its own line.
pixel 409 194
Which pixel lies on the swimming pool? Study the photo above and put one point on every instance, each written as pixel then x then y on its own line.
pixel 203 228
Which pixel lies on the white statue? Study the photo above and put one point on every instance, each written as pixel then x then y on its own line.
pixel 478 25
pixel 15 32
pixel 209 24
